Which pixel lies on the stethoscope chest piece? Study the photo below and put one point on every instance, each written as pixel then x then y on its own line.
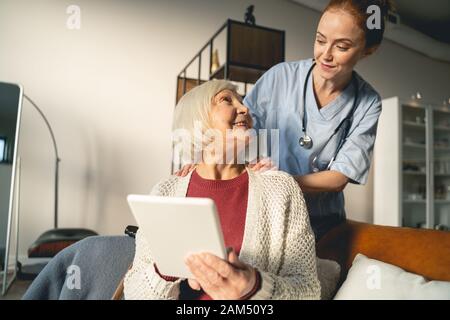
pixel 305 142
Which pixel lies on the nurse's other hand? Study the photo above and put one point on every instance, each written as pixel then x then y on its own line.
pixel 263 164
pixel 185 170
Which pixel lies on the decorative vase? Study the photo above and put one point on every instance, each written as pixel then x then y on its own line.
pixel 215 61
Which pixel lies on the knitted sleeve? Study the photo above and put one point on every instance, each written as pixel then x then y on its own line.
pixel 296 277
pixel 142 281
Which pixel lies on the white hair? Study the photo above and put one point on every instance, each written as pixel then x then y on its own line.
pixel 192 119
pixel 195 105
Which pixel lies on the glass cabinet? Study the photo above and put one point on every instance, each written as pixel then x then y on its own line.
pixel 412 165
pixel 440 209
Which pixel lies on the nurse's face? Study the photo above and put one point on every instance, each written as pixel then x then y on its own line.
pixel 339 45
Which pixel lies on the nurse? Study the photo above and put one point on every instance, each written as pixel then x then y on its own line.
pixel 325 112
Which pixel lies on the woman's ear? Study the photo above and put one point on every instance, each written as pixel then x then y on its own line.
pixel 369 51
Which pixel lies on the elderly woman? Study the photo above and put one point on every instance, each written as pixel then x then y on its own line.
pixel 263 216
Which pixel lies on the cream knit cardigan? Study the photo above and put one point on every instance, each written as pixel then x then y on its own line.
pixel 278 241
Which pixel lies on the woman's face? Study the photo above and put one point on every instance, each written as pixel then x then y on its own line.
pixel 228 113
pixel 339 45
pixel 231 119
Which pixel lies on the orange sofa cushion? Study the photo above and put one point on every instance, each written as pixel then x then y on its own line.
pixel 421 251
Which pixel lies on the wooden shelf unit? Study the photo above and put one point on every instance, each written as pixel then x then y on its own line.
pixel 251 50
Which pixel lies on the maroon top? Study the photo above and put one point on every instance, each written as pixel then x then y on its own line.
pixel 230 197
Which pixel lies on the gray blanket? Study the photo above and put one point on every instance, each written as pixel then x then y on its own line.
pixel 89 269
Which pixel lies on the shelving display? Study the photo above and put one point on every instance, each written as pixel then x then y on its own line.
pixel 412 165
pixel 248 51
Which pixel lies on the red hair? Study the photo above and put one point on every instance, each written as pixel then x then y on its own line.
pixel 358 9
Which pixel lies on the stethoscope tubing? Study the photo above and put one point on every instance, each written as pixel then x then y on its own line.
pixel 306 141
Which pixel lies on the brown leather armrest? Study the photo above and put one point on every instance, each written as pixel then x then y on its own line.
pixel 421 251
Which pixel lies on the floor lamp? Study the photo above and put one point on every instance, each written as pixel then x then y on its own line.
pixel 56 239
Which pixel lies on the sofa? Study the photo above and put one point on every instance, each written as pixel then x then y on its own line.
pixel 420 251
pixel 424 252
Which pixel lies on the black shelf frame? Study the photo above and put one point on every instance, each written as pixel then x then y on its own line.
pixel 226 66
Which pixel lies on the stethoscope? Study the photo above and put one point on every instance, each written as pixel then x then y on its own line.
pixel 306 141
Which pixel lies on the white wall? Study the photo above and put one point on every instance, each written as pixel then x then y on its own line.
pixel 109 88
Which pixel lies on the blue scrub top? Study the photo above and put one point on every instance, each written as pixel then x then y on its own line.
pixel 275 102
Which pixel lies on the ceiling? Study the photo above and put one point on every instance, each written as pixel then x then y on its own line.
pixel 430 17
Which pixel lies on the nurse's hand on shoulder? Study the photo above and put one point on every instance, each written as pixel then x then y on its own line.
pixel 263 164
pixel 220 279
pixel 183 172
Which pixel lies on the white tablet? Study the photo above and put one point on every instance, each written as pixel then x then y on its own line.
pixel 176 227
